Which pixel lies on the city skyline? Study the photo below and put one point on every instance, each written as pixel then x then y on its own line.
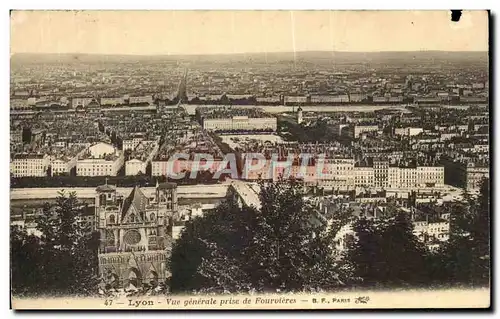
pixel 240 32
pixel 293 160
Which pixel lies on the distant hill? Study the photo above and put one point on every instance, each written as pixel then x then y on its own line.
pixel 316 57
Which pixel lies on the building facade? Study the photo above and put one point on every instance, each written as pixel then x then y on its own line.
pixel 240 123
pixel 101 159
pixel 23 165
pixel 135 235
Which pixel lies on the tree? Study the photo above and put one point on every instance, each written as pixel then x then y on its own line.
pixel 290 252
pixel 217 236
pixel 386 253
pixel 361 256
pixel 238 249
pixel 25 258
pixel 404 255
pixel 465 259
pixel 64 258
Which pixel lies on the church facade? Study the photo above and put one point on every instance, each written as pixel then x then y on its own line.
pixel 135 234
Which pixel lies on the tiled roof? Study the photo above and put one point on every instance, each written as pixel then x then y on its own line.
pixel 136 199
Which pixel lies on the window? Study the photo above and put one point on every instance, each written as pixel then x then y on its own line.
pixel 112 219
pixel 132 237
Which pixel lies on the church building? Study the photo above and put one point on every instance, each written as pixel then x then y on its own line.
pixel 135 235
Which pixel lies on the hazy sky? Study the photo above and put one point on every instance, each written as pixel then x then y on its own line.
pixel 205 32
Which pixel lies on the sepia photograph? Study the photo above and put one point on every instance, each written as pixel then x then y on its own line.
pixel 249 159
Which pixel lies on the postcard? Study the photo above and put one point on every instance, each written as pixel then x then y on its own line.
pixel 249 160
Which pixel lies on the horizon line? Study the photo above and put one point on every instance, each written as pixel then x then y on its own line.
pixel 242 53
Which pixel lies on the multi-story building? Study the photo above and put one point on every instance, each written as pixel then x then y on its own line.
pixel 430 176
pixel 344 98
pixel 65 159
pixel 131 142
pixel 268 99
pixel 228 119
pixel 61 166
pixel 19 104
pixel 101 159
pixel 135 166
pixel 134 233
pixel 141 157
pixel 474 176
pixel 29 164
pixel 433 234
pixel 465 173
pixel 111 101
pixel 240 123
pixel 364 176
pixel 82 102
pixel 407 177
pixel 356 97
pixel 383 175
pixel 355 130
pixel 141 99
pixel 408 131
pixel 337 173
pixel 288 100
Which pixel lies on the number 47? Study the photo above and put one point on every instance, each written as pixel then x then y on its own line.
pixel 108 302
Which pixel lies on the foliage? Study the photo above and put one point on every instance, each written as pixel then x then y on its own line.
pixel 465 259
pixel 276 248
pixel 63 260
pixel 283 246
pixel 291 251
pixel 387 253
pixel 222 232
pixel 25 257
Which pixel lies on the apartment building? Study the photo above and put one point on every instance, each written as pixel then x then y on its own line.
pixel 101 159
pixel 29 164
pixel 337 173
pixel 408 131
pixel 140 158
pixel 81 101
pixel 111 101
pixel 130 143
pixel 141 99
pixel 64 159
pixel 466 173
pixel 240 123
pixel 436 230
pixel 355 130
pixel 230 119
pixel 474 175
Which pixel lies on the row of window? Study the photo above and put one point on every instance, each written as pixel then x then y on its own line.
pixel 28 173
pixel 26 160
pixel 132 218
pixel 34 166
pixel 97 166
pixel 83 170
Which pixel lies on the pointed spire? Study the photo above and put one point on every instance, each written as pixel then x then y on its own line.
pixel 157 184
pixel 106 181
